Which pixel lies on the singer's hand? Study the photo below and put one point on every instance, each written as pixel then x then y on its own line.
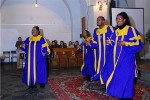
pixel 23 46
pixel 87 43
pixel 43 54
pixel 121 43
pixel 108 41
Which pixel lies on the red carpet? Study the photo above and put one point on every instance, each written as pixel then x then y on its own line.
pixel 76 88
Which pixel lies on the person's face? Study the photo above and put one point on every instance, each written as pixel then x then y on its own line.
pixel 34 32
pixel 120 20
pixel 100 21
pixel 19 39
pixel 70 42
pixel 61 43
pixel 53 43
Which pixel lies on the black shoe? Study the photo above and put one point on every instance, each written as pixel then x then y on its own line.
pixel 31 89
pixel 88 77
pixel 103 88
pixel 42 85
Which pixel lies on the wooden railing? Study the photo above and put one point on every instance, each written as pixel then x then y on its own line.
pixel 65 57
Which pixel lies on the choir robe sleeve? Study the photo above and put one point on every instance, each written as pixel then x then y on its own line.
pixel 80 48
pixel 134 42
pixel 93 44
pixel 45 48
pixel 95 35
pixel 26 42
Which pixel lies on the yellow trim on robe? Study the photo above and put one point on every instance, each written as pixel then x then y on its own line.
pixel 83 59
pixel 95 59
pixel 111 28
pixel 29 64
pixel 115 62
pixel 135 37
pixel 121 32
pixel 104 44
pixel 110 78
pixel 102 30
pixel 115 51
pixel 98 32
pixel 34 62
pixel 35 38
pixel 99 59
pixel 88 39
pixel 46 45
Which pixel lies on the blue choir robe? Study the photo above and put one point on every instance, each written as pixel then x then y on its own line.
pixel 35 70
pixel 103 53
pixel 121 81
pixel 87 68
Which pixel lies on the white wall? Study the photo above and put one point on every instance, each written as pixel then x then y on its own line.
pixel 59 19
pixel 139 4
pixel 126 3
pixel 145 4
pixel 93 12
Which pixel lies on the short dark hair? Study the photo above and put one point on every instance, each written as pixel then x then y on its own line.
pixel 19 37
pixel 88 33
pixel 38 29
pixel 101 18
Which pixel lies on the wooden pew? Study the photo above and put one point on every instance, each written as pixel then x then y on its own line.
pixel 65 57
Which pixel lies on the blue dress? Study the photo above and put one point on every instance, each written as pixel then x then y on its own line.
pixel 87 69
pixel 121 81
pixel 35 63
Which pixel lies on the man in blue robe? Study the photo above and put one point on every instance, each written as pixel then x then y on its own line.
pixel 104 51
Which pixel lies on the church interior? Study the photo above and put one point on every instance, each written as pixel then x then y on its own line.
pixel 63 22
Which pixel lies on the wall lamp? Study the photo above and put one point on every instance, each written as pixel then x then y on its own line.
pixel 100 3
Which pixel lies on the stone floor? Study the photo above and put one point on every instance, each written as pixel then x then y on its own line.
pixel 12 87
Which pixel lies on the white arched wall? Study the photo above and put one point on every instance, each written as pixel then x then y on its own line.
pixel 58 21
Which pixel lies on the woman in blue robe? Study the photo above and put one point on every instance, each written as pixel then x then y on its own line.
pixel 127 42
pixel 87 48
pixel 36 49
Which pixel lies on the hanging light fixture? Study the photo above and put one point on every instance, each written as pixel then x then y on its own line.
pixel 36 5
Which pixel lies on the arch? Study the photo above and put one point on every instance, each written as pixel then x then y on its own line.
pixel 71 17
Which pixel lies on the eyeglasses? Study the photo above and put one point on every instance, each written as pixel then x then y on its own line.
pixel 119 18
